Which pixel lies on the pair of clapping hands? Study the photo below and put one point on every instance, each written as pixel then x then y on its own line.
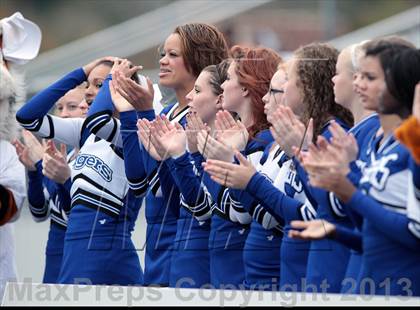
pixel 289 133
pixel 54 162
pixel 162 139
pixel 320 160
pixel 326 162
pixel 127 94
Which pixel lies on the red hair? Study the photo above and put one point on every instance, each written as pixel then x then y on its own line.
pixel 255 67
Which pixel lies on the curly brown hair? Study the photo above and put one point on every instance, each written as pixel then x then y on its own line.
pixel 255 67
pixel 202 45
pixel 315 67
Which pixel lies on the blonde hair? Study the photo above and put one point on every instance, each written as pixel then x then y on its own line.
pixel 357 51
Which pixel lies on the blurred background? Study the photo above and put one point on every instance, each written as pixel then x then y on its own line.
pixel 78 31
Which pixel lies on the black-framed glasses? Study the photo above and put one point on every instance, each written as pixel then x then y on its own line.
pixel 274 91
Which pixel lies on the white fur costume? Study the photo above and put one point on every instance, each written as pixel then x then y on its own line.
pixel 12 172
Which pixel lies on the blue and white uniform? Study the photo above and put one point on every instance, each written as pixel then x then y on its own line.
pixel 261 252
pixel 289 198
pixel 162 209
pixel 162 195
pixel 98 247
pixel 285 199
pixel 230 223
pixel 328 260
pixel 193 229
pixel 390 238
pixel 48 199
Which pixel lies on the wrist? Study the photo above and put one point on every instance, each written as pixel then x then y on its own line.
pixel 192 149
pixel 345 190
pixel 144 107
pixel 125 108
pixel 62 180
pixel 65 177
pixel 252 185
pixel 31 168
pixel 331 231
pixel 147 114
pixel 178 154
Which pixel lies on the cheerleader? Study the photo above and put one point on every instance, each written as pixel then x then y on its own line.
pixel 233 254
pixel 389 235
pixel 103 209
pixel 301 98
pixel 188 50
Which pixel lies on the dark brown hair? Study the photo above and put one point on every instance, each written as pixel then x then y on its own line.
pixel 218 74
pixel 393 39
pixel 400 62
pixel 202 45
pixel 315 67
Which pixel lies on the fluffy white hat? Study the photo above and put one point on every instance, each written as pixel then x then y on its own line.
pixel 21 39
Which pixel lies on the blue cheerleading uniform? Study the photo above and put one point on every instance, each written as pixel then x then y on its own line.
pixel 328 260
pixel 353 239
pixel 285 199
pixel 97 246
pixel 162 209
pixel 162 197
pixel 291 198
pixel 193 226
pixel 48 200
pixel 390 234
pixel 158 237
pixel 230 224
pixel 261 252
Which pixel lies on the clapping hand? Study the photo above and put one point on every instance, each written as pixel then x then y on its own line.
pixel 54 164
pixel 230 132
pixel 139 96
pixel 144 133
pixel 211 148
pixel 30 151
pixel 326 170
pixel 193 127
pixel 311 230
pixel 229 174
pixel 289 131
pixel 120 103
pixel 168 139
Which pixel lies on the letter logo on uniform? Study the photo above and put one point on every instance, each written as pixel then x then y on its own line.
pixel 377 174
pixel 292 184
pixel 94 163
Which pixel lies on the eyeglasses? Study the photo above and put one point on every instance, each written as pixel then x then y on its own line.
pixel 274 91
